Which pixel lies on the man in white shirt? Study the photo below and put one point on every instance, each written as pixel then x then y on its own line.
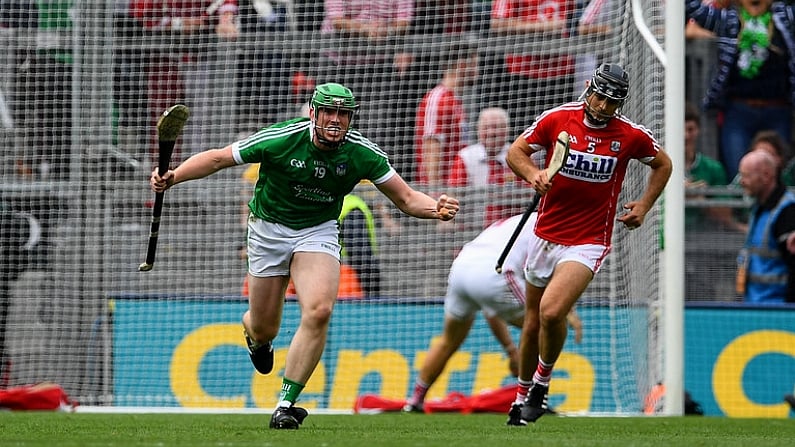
pixel 483 163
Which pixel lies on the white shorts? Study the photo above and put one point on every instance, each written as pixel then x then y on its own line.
pixel 472 288
pixel 271 245
pixel 543 256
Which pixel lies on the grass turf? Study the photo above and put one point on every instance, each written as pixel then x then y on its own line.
pixel 47 429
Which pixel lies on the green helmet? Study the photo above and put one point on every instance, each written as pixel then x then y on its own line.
pixel 334 95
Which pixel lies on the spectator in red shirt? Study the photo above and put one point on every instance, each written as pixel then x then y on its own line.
pixel 441 126
pixel 368 51
pixel 532 82
pixel 183 76
pixel 442 17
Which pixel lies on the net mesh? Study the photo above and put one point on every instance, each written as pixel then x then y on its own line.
pixel 82 84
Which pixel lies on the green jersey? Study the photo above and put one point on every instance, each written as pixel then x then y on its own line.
pixel 788 174
pixel 54 16
pixel 299 185
pixel 711 172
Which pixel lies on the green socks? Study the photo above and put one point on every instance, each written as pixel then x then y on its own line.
pixel 290 392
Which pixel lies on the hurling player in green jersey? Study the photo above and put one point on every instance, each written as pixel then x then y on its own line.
pixel 307 166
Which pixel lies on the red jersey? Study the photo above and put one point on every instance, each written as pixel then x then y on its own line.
pixel 440 115
pixel 580 207
pixel 532 66
pixel 159 14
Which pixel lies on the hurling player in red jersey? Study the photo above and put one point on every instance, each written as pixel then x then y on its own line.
pixel 575 217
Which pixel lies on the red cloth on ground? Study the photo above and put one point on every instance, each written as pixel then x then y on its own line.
pixel 491 401
pixel 42 396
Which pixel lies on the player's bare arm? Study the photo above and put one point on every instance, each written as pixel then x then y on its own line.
pixel 418 204
pixel 432 159
pixel 500 330
pixel 636 210
pixel 519 160
pixel 197 166
pixel 574 321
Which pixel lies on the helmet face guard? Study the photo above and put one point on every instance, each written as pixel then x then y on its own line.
pixel 333 96
pixel 610 81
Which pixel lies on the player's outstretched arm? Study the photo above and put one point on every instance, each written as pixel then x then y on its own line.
pixel 574 321
pixel 197 166
pixel 416 203
pixel 500 330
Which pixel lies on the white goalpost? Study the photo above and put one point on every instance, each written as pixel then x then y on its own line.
pixel 674 255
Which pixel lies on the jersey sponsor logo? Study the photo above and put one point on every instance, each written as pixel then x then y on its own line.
pixel 312 193
pixel 589 167
pixel 297 163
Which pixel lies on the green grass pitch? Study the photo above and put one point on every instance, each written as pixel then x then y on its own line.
pixel 47 429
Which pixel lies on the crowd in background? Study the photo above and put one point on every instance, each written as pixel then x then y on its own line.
pixel 271 84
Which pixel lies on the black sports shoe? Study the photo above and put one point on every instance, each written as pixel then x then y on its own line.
pixel 261 356
pixel 515 416
pixel 288 418
pixel 790 399
pixel 413 408
pixel 535 405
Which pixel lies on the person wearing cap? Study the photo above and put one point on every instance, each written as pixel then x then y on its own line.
pixel 576 215
pixel 307 166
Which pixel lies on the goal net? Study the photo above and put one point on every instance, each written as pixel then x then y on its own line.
pixel 81 86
